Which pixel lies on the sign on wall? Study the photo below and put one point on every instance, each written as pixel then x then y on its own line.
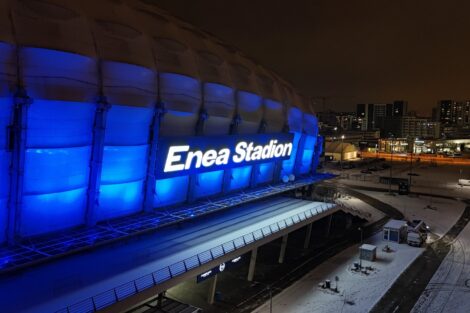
pixel 219 269
pixel 188 155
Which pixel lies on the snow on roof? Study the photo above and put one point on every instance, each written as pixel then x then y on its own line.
pixel 396 224
pixel 368 247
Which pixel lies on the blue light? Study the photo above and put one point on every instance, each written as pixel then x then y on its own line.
pixel 249 102
pixel 209 183
pixel 295 120
pixel 265 173
pixel 53 211
pixel 54 124
pixel 124 161
pixel 307 156
pixel 240 177
pixel 120 199
pixel 123 164
pixel 5 119
pixel 54 170
pixel 56 167
pixel 171 191
pixel 288 165
pixel 127 126
pixel 273 105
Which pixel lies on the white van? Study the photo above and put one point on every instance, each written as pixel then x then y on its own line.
pixel 414 239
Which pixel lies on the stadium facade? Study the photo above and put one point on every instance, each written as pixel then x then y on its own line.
pixel 89 88
pixel 117 119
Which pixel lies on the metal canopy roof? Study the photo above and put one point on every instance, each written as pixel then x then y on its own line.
pixel 108 275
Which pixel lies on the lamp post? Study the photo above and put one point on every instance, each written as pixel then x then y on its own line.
pixel 341 158
pixel 391 163
pixel 360 256
pixel 411 160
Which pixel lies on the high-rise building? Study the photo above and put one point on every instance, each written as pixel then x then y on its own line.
pixel 369 116
pixel 454 113
pixel 361 117
pixel 410 126
pixel 397 108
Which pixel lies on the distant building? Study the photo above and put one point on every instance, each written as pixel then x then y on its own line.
pixel 327 117
pixel 345 120
pixel 410 126
pixel 454 117
pixel 337 148
pixel 369 116
pixel 397 108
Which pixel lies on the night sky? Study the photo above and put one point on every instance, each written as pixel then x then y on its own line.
pixel 349 51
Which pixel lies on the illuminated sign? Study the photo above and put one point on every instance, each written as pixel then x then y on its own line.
pixel 179 156
pixel 219 269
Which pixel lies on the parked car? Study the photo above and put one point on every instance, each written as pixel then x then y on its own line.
pixel 366 172
pixel 414 239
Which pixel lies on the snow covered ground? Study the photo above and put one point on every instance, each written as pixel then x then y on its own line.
pixel 439 214
pixel 365 290
pixel 357 292
pixel 449 288
pixel 359 208
pixel 440 180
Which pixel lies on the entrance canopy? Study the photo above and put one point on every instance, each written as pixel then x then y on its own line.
pixel 105 276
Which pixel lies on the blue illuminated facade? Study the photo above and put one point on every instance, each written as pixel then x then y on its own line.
pixel 80 122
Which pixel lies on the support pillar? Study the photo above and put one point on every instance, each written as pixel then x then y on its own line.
pixel 228 172
pixel 255 167
pixel 328 228
pixel 96 164
pixel 251 268
pixel 160 300
pixel 282 254
pixel 308 235
pixel 193 178
pixel 212 288
pixel 17 144
pixel 152 157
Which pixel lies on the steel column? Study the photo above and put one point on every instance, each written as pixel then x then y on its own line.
pixel 212 289
pixel 152 157
pixel 96 163
pixel 308 235
pixel 17 145
pixel 251 268
pixel 282 254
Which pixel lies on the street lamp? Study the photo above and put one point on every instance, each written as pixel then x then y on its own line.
pixel 411 160
pixel 341 159
pixel 360 256
pixel 391 163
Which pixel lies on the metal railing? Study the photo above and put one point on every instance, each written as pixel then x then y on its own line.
pixel 166 273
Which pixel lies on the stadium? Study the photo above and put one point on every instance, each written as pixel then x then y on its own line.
pixel 118 119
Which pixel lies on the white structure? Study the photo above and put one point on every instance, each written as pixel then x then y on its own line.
pixel 395 230
pixel 368 252
pixel 335 148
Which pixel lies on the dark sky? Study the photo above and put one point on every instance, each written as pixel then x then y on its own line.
pixel 349 51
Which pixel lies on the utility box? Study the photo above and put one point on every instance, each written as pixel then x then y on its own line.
pixel 396 231
pixel 368 252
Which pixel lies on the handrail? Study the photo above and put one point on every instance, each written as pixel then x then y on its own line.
pixel 112 296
